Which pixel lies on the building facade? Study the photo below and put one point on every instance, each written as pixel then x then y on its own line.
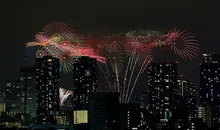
pixel 84 80
pixel 14 96
pixel 162 78
pixel 209 85
pixel 47 89
pixel 27 79
pixel 104 111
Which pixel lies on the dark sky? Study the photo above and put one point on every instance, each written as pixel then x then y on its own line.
pixel 20 20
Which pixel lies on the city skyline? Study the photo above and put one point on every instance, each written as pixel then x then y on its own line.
pixel 187 16
pixel 167 100
pixel 110 65
pixel 60 36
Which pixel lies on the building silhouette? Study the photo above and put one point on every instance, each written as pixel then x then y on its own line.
pixel 184 88
pixel 27 79
pixel 209 87
pixel 191 103
pixel 162 78
pixel 130 116
pixel 84 81
pixel 14 96
pixel 104 111
pixel 204 115
pixel 47 89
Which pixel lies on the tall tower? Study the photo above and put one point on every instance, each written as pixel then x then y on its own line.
pixel 184 88
pixel 14 96
pixel 104 111
pixel 162 78
pixel 209 84
pixel 209 79
pixel 85 81
pixel 47 89
pixel 27 79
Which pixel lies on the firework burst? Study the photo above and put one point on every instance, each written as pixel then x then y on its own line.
pixel 58 40
pixel 56 28
pixel 125 58
pixel 64 94
pixel 122 56
pixel 31 53
pixel 183 44
pixel 66 62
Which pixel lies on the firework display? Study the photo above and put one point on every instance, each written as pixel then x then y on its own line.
pixel 59 41
pixel 183 44
pixel 122 58
pixel 64 94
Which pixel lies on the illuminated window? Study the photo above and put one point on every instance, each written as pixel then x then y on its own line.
pixel 49 60
pixel 87 73
pixel 80 117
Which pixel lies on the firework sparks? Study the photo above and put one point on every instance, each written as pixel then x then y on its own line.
pixel 183 44
pixel 122 56
pixel 66 61
pixel 58 41
pixel 119 54
pixel 56 28
pixel 64 94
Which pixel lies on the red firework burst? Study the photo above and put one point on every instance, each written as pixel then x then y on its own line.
pixel 94 41
pixel 64 56
pixel 183 44
pixel 114 41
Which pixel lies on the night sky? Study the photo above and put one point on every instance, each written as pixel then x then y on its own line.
pixel 21 20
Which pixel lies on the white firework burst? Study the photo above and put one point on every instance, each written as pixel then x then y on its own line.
pixel 64 94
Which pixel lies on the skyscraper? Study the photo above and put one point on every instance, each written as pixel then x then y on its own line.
pixel 14 96
pixel 162 78
pixel 184 88
pixel 85 81
pixel 205 114
pixel 47 89
pixel 104 111
pixel 191 102
pixel 209 84
pixel 130 116
pixel 27 79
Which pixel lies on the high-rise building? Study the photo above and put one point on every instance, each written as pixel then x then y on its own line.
pixel 209 79
pixel 211 58
pixel 47 89
pixel 180 91
pixel 144 98
pixel 130 116
pixel 191 102
pixel 205 114
pixel 104 111
pixel 14 96
pixel 209 84
pixel 27 79
pixel 162 78
pixel 184 88
pixel 185 103
pixel 85 81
